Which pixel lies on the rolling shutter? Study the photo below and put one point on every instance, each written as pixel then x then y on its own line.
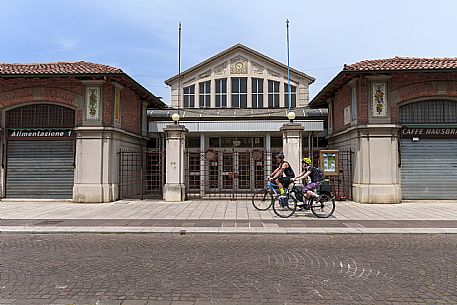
pixel 40 169
pixel 429 169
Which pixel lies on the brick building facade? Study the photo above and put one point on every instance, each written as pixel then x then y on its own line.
pixel 399 117
pixel 62 125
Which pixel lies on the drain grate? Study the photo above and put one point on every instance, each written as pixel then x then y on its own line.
pixel 48 222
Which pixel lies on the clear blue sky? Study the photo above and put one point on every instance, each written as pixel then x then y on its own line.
pixel 140 36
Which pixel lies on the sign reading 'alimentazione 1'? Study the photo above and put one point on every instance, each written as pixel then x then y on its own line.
pixel 29 133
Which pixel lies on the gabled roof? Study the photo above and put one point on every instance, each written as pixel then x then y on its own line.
pixel 384 66
pixel 78 69
pixel 233 49
pixel 403 63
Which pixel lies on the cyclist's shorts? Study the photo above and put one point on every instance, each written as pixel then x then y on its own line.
pixel 311 186
pixel 285 181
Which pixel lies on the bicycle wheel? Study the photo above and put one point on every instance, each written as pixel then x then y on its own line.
pixel 285 206
pixel 262 200
pixel 324 208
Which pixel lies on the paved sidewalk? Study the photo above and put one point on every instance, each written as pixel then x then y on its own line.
pixel 224 216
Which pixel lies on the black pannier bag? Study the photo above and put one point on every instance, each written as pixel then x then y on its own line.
pixel 326 188
pixel 298 191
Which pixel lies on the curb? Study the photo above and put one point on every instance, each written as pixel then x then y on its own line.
pixel 221 230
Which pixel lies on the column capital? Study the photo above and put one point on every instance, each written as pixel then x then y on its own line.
pixel 292 127
pixel 175 127
pixel 175 131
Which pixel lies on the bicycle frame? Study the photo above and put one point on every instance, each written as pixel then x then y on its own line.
pixel 271 187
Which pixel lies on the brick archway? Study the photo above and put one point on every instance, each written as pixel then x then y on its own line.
pixel 49 94
pixel 426 89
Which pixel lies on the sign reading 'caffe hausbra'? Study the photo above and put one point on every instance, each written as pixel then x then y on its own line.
pixel 30 133
pixel 429 132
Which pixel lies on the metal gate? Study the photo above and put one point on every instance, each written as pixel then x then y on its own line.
pixel 429 169
pixel 226 173
pixel 141 174
pixel 40 169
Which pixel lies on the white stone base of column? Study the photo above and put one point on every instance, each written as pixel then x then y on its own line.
pixel 95 193
pixel 376 193
pixel 174 192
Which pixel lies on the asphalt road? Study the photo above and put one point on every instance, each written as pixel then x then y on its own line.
pixel 227 269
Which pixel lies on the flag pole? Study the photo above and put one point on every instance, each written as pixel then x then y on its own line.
pixel 288 66
pixel 179 66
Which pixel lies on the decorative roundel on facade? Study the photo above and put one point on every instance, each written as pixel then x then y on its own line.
pixel 257 155
pixel 239 66
pixel 210 155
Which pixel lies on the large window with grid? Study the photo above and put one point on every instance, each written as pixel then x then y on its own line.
pixel 41 115
pixel 257 93
pixel 239 92
pixel 189 96
pixel 293 96
pixel 429 112
pixel 273 94
pixel 221 93
pixel 204 94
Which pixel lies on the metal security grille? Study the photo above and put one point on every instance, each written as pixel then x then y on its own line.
pixel 429 112
pixel 41 115
pixel 141 174
pixel 342 183
pixel 429 169
pixel 227 173
pixel 40 169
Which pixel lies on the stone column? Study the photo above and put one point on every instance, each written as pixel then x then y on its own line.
pixel 292 143
pixel 96 161
pixel 376 170
pixel 175 188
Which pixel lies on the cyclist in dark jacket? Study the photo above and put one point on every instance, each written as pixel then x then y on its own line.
pixel 284 174
pixel 314 174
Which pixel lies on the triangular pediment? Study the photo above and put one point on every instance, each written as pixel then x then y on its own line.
pixel 239 60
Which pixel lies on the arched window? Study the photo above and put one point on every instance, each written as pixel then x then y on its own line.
pixel 41 115
pixel 429 112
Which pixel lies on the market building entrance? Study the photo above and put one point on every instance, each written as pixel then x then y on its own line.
pixel 227 173
pixel 40 146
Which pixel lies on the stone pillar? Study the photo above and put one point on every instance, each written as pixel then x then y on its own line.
pixel 175 188
pixel 376 170
pixel 292 143
pixel 95 160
